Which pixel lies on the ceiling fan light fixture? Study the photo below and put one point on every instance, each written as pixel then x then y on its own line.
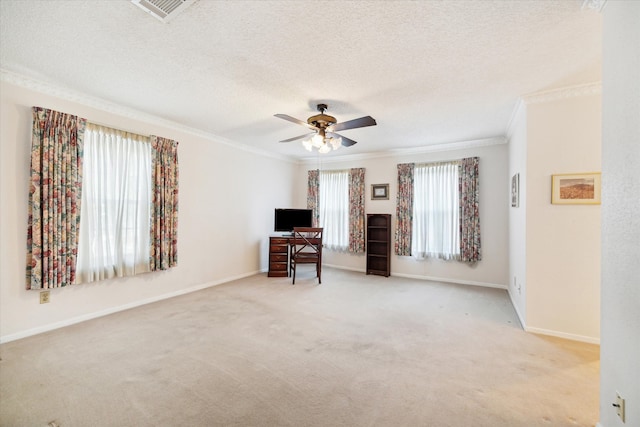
pixel 323 144
pixel 317 140
pixel 324 124
pixel 324 149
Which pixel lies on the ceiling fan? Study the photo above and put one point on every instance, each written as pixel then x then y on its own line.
pixel 324 127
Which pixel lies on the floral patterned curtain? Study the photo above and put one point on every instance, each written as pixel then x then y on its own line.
pixel 469 212
pixel 313 195
pixel 54 198
pixel 164 204
pixel 404 209
pixel 356 210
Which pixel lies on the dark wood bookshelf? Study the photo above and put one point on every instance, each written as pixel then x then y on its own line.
pixel 379 244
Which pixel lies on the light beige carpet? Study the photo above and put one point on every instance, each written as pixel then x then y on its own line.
pixel 357 350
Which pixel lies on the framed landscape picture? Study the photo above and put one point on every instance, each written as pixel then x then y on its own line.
pixel 576 189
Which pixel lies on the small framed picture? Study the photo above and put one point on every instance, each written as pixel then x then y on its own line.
pixel 515 190
pixel 379 191
pixel 576 189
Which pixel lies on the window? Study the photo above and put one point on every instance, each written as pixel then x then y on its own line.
pixel 436 221
pixel 116 198
pixel 334 208
pixel 337 200
pixel 438 210
pixel 128 199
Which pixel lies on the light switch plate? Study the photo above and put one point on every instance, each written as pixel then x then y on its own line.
pixel 44 297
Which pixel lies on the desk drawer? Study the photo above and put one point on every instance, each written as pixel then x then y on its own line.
pixel 278 249
pixel 279 258
pixel 278 274
pixel 279 241
pixel 278 266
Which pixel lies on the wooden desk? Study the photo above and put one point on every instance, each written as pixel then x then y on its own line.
pixel 279 256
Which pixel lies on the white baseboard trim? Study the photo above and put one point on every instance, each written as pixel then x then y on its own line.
pixel 429 278
pixel 523 325
pixel 541 331
pixel 448 280
pixel 573 337
pixel 111 310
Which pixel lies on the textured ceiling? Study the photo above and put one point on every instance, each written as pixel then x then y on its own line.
pixel 429 72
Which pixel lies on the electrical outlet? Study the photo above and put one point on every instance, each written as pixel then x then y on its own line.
pixel 619 405
pixel 44 297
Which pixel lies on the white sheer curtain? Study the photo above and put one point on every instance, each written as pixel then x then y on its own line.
pixel 436 225
pixel 115 210
pixel 334 209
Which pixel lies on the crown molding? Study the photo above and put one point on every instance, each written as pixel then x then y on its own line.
pixel 588 89
pixel 595 5
pixel 434 148
pixel 552 95
pixel 68 94
pixel 520 105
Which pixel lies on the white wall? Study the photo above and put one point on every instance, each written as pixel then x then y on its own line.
pixel 494 202
pixel 227 197
pixel 620 345
pixel 554 253
pixel 518 215
pixel 563 242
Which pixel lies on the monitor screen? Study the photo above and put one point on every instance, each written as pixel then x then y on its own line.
pixel 286 219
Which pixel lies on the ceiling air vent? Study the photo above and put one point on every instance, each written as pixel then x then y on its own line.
pixel 164 10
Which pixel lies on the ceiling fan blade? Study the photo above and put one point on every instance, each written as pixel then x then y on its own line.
pixel 298 137
pixel 346 142
pixel 294 120
pixel 352 124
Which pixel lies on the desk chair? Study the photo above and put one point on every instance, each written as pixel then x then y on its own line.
pixel 306 248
